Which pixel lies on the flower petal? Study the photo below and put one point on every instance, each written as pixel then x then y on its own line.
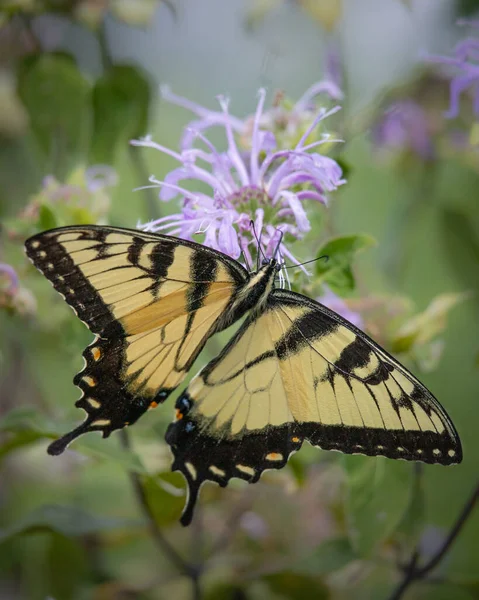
pixel 298 211
pixel 228 237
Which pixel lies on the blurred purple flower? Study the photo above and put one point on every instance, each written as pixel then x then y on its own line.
pixel 7 272
pixel 466 61
pixel 98 177
pixel 330 300
pixel 404 125
pixel 263 184
pixel 334 65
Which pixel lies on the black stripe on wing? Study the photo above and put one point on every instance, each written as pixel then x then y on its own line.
pixel 53 260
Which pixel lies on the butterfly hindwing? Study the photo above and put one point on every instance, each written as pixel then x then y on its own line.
pixel 300 372
pixel 152 302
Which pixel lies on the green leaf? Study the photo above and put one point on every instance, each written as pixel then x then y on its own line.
pixel 97 447
pixel 67 566
pixel 424 327
pixel 67 520
pixel 471 587
pixel 24 426
pixel 336 271
pixel 46 218
pixel 56 96
pixel 330 556
pixel 346 167
pixel 378 493
pixel 27 419
pixel 226 591
pixel 19 418
pixel 422 590
pixel 121 100
pixel 166 496
pixel 461 243
pixel 18 440
pixel 296 586
pixel 298 468
pixel 412 522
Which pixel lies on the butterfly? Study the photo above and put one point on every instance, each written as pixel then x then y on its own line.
pixel 294 371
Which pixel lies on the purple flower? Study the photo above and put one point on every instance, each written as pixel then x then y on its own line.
pixel 264 184
pixel 405 125
pixel 339 306
pixel 466 62
pixel 10 275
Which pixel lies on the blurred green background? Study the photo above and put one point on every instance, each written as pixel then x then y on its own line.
pixel 77 81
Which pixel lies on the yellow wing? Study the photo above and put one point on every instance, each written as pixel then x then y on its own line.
pixel 300 372
pixel 152 302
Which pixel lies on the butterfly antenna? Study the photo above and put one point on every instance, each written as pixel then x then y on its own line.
pixel 281 235
pixel 325 257
pixel 243 254
pixel 258 241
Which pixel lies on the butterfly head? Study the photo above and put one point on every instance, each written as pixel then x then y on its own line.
pixel 272 263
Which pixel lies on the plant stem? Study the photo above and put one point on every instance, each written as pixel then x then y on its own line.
pixel 412 572
pixel 106 59
pixel 190 570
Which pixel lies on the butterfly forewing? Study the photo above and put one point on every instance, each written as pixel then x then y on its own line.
pixel 152 300
pixel 300 372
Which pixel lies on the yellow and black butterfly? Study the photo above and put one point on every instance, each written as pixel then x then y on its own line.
pixel 294 370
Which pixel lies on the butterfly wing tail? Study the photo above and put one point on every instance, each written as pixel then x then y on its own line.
pixel 59 446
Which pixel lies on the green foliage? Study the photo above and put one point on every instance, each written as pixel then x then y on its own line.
pixel 332 555
pixel 22 427
pixel 461 241
pixel 226 591
pixel 412 520
pixel 67 520
pixel 426 326
pixel 66 566
pixel 56 96
pixel 439 591
pixel 336 271
pixel 121 100
pixel 114 454
pixel 46 218
pixel 295 586
pixel 377 496
pixel 166 496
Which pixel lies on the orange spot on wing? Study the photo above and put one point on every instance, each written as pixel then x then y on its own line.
pixel 295 439
pixel 274 456
pixel 153 404
pixel 96 353
pixel 179 414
